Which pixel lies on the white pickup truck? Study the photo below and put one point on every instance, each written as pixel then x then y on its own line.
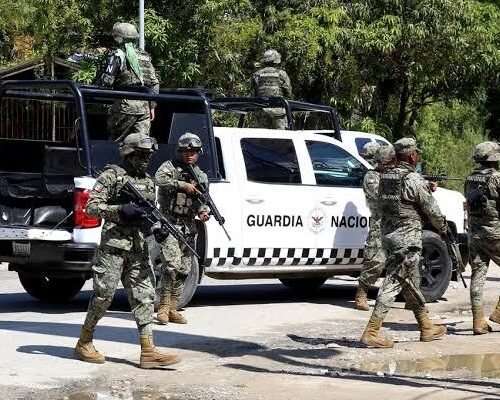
pixel 292 199
pixel 295 210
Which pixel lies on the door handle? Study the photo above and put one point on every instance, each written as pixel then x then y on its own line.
pixel 328 202
pixel 254 200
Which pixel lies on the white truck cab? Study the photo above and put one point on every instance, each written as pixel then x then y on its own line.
pixel 292 199
pixel 295 209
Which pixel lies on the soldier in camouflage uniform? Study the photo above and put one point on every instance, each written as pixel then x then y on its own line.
pixel 177 197
pixel 482 191
pixel 127 66
pixel 374 257
pixel 122 254
pixel 271 81
pixel 403 197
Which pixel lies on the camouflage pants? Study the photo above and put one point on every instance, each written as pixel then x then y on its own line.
pixel 271 119
pixel 120 125
pixel 402 274
pixel 374 259
pixel 176 261
pixel 481 252
pixel 113 265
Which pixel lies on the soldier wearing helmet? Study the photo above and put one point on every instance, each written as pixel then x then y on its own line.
pixel 271 81
pixel 482 191
pixel 381 158
pixel 126 67
pixel 178 196
pixel 403 200
pixel 368 152
pixel 122 253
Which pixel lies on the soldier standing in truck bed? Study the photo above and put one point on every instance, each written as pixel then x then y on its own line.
pixel 271 81
pixel 128 67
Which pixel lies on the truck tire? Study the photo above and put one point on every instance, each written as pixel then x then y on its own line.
pixel 49 289
pixel 303 285
pixel 437 267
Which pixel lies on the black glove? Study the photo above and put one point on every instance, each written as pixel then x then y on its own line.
pixel 131 213
pixel 160 234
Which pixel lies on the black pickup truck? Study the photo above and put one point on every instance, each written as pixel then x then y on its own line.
pixel 53 140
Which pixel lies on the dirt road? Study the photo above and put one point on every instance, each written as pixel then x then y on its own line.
pixel 249 340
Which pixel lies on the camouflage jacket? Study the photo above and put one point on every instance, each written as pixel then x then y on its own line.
pixel 105 200
pixel 118 74
pixel 370 187
pixel 271 81
pixel 403 203
pixel 487 223
pixel 171 179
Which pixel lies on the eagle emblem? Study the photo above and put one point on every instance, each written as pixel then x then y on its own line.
pixel 317 220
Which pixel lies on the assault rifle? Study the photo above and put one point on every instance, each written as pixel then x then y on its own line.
pixel 153 215
pixel 456 257
pixel 205 197
pixel 440 177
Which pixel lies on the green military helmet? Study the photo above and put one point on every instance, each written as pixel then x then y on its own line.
pixel 124 32
pixel 369 149
pixel 487 151
pixel 384 154
pixel 138 141
pixel 189 141
pixel 271 56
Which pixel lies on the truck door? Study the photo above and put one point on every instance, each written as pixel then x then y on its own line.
pixel 275 203
pixel 341 214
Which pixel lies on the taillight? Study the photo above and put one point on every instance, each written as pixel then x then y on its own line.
pixel 82 220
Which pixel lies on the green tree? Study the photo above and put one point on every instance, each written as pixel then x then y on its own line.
pixel 425 51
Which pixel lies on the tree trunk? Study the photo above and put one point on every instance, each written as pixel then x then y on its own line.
pixel 399 126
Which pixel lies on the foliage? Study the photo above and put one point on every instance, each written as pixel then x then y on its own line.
pixel 391 67
pixel 447 135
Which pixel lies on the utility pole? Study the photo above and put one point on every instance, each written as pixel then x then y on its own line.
pixel 141 24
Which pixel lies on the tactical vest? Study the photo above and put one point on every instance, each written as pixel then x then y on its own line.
pixel 479 201
pixel 126 77
pixel 268 82
pixel 179 203
pixel 391 203
pixel 145 185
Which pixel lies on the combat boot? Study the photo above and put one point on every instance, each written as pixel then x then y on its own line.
pixel 361 298
pixel 495 316
pixel 409 306
pixel 371 336
pixel 479 324
pixel 85 350
pixel 175 316
pixel 428 331
pixel 151 357
pixel 163 310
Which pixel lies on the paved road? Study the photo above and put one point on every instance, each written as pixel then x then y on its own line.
pixel 245 339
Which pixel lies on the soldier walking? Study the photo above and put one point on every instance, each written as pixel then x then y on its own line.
pixel 126 67
pixel 482 191
pixel 403 197
pixel 374 257
pixel 122 254
pixel 177 196
pixel 271 81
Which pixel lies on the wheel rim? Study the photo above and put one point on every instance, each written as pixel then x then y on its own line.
pixel 432 269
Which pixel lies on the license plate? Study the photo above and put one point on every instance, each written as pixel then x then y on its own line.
pixel 21 249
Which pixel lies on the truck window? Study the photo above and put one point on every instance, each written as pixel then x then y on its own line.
pixel 220 161
pixel 360 142
pixel 270 160
pixel 333 166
